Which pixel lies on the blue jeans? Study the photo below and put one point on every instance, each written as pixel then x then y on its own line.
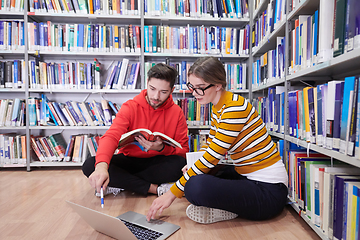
pixel 230 191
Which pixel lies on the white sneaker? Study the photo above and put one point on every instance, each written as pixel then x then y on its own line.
pixel 163 188
pixel 207 215
pixel 110 190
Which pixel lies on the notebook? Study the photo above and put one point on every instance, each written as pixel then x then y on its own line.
pixel 129 225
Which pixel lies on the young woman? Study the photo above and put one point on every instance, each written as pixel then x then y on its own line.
pixel 255 187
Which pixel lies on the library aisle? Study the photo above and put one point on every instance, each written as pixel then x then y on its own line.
pixel 32 206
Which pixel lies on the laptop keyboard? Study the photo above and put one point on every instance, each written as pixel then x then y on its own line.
pixel 142 233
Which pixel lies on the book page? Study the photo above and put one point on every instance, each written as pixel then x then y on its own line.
pixel 129 137
pixel 168 139
pixel 192 157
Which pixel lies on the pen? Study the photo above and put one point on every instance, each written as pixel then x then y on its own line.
pixel 102 197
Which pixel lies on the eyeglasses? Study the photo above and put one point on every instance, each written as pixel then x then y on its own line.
pixel 199 91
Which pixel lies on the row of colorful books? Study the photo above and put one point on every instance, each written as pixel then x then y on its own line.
pixel 328 193
pixel 197 8
pixel 12 149
pixel 84 75
pixel 195 114
pixel 341 17
pixel 112 7
pixel 53 148
pixel 123 75
pixel 12 6
pixel 311 42
pixel 12 74
pixel 271 109
pixel 269 20
pixel 196 40
pixel 304 40
pixel 328 115
pixel 12 35
pixel 235 73
pixel 236 76
pixel 12 112
pixel 83 37
pixel 270 66
pixel 43 112
pixel 197 140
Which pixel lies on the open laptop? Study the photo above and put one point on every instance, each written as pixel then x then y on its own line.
pixel 129 225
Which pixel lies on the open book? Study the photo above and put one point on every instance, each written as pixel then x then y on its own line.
pixel 129 137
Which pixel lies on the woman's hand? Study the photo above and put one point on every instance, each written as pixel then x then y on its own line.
pixel 184 169
pixel 159 204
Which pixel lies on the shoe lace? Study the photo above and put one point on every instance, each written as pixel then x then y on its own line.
pixel 114 191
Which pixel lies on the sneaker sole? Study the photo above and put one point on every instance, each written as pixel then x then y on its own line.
pixel 207 215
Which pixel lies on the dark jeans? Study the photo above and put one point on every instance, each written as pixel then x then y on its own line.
pixel 230 191
pixel 136 174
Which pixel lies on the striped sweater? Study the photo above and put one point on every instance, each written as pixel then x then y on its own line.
pixel 236 129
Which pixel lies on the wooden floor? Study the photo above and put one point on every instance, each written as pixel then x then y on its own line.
pixel 32 206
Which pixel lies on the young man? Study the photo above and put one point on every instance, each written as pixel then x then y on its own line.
pixel 148 170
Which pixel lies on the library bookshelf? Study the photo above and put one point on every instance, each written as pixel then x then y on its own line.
pixel 64 40
pixel 317 68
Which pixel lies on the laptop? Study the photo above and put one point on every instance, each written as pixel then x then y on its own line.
pixel 130 225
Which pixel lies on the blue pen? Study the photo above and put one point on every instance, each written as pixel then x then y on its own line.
pixel 102 197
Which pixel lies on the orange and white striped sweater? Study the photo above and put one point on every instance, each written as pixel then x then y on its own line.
pixel 236 129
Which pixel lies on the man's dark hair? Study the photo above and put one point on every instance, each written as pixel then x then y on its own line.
pixel 163 72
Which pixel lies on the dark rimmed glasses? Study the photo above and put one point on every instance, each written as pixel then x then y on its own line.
pixel 199 91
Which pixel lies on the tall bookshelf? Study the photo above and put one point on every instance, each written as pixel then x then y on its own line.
pixel 141 19
pixel 317 73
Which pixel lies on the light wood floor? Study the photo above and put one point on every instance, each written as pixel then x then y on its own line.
pixel 32 206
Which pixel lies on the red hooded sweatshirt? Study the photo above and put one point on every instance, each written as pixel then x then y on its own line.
pixel 137 113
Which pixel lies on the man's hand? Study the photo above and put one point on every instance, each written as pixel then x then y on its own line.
pixel 159 204
pixel 100 177
pixel 157 145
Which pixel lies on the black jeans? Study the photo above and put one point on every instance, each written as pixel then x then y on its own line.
pixel 230 191
pixel 136 174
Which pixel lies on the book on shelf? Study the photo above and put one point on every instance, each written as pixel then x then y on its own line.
pixel 346 113
pixel 129 137
pixel 320 101
pixel 69 149
pixel 330 113
pixel 339 22
pixel 351 137
pixel 340 201
pixel 339 92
